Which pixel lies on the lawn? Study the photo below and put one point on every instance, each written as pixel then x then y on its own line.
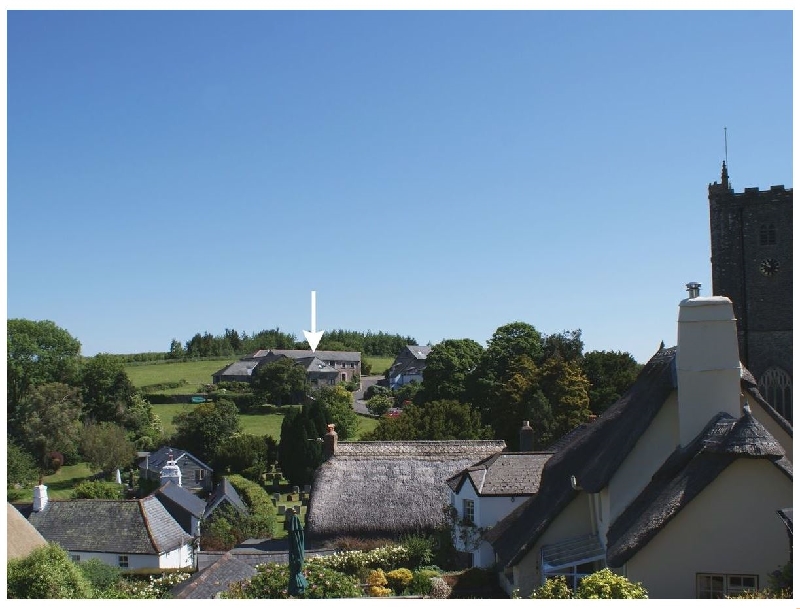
pixel 59 485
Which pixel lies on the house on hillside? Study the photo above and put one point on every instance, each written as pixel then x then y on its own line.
pixel 486 492
pixel 322 368
pixel 386 489
pixel 191 473
pixel 677 485
pixel 133 534
pixel 408 365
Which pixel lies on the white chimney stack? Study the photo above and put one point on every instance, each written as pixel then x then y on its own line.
pixel 171 471
pixel 39 497
pixel 708 365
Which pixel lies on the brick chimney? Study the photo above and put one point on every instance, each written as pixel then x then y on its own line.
pixel 526 437
pixel 329 442
pixel 707 362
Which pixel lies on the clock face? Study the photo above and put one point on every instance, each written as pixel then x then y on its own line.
pixel 769 267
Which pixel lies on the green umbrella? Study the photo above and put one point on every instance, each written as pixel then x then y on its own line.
pixel 297 581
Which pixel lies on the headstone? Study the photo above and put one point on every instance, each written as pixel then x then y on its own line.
pixel 307 488
pixel 281 510
pixel 304 501
pixel 295 490
pixel 276 497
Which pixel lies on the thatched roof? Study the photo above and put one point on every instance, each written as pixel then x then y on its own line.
pixel 592 454
pixel 503 474
pixel 684 475
pixel 388 488
pixel 21 536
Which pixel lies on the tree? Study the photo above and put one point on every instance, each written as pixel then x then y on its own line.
pixel 47 572
pixel 447 367
pixel 107 390
pixel 106 446
pixel 142 423
pixel 437 420
pixel 39 352
pixel 567 344
pixel 281 381
pixel 245 454
pixel 379 404
pixel 51 421
pixel 567 389
pixel 521 399
pixel 176 350
pixel 610 374
pixel 21 467
pixel 299 452
pixel 337 403
pixel 202 430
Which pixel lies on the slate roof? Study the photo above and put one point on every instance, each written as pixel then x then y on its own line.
pixel 215 579
pixel 184 499
pixel 410 361
pixel 684 475
pixel 136 526
pixel 157 460
pixel 332 356
pixel 419 351
pixel 388 488
pixel 503 474
pixel 592 455
pixel 244 367
pixel 22 538
pixel 224 491
pixel 315 364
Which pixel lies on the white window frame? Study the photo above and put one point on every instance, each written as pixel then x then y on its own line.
pixel 723 585
pixel 468 511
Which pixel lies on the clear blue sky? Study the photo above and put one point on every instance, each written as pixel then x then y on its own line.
pixel 432 174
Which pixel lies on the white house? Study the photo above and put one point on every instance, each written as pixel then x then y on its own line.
pixel 676 486
pixel 131 534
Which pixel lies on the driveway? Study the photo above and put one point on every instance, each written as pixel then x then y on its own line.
pixel 358 402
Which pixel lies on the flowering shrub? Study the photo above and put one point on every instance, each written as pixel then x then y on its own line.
pixel 439 588
pixel 141 588
pixel 272 581
pixel 376 582
pixel 355 561
pixel 399 579
pixel 601 584
pixel 554 587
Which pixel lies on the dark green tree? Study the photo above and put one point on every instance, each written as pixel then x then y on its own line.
pixel 437 420
pixel 447 368
pixel 299 451
pixel 176 350
pixel 51 421
pixel 106 446
pixel 610 374
pixel 567 389
pixel 521 399
pixel 245 454
pixel 567 344
pixel 106 389
pixel 21 467
pixel 39 352
pixel 337 404
pixel 280 382
pixel 202 430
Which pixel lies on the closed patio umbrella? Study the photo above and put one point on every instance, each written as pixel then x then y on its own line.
pixel 297 581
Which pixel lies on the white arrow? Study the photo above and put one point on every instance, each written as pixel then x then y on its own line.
pixel 313 337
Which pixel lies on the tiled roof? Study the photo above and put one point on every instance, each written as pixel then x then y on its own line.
pixel 503 474
pixel 157 460
pixel 190 502
pixel 243 367
pixel 215 579
pixel 333 356
pixel 138 526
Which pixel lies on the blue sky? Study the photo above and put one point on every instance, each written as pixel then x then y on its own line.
pixel 435 174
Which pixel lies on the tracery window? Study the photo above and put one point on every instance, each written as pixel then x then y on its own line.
pixel 776 387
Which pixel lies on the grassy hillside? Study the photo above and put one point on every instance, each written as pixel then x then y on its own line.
pixel 193 373
pixel 379 364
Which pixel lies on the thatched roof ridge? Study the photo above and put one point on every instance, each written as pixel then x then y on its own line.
pixel 21 536
pixel 388 488
pixel 684 475
pixel 592 455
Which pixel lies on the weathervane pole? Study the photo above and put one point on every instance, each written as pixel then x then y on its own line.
pixel 726 145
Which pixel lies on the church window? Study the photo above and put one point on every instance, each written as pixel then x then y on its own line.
pixel 776 387
pixel 766 235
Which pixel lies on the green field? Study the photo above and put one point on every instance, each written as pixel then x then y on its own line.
pixel 379 364
pixel 193 373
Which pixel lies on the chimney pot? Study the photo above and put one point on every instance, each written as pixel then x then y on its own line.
pixel 693 288
pixel 329 442
pixel 526 437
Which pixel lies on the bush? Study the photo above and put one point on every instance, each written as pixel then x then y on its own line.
pixel 399 579
pixel 439 588
pixel 379 404
pixel 272 581
pixel 605 584
pixel 554 587
pixel 47 572
pixel 101 576
pixel 421 582
pixel 355 561
pixel 20 465
pixel 376 583
pixel 420 549
pixel 97 489
pixel 346 543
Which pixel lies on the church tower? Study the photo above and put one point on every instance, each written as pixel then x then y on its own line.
pixel 751 263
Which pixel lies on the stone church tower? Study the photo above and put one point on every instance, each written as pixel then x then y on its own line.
pixel 751 263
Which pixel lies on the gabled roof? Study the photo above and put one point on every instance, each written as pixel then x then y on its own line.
pixel 182 498
pixel 21 536
pixel 224 491
pixel 388 488
pixel 157 460
pixel 592 455
pixel 137 526
pixel 683 477
pixel 315 364
pixel 244 367
pixel 332 356
pixel 503 474
pixel 215 579
pixel 419 352
pixel 411 360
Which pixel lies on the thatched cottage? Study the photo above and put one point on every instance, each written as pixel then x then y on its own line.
pixel 386 489
pixel 677 485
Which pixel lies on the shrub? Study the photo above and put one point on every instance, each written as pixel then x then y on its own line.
pixel 355 561
pixel 100 575
pixel 97 489
pixel 420 548
pixel 47 572
pixel 439 588
pixel 272 581
pixel 399 579
pixel 376 583
pixel 346 544
pixel 605 584
pixel 554 587
pixel 144 587
pixel 421 582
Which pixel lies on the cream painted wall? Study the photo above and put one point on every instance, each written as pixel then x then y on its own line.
pixel 730 528
pixel 179 558
pixel 573 521
pixel 649 453
pixel 488 512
